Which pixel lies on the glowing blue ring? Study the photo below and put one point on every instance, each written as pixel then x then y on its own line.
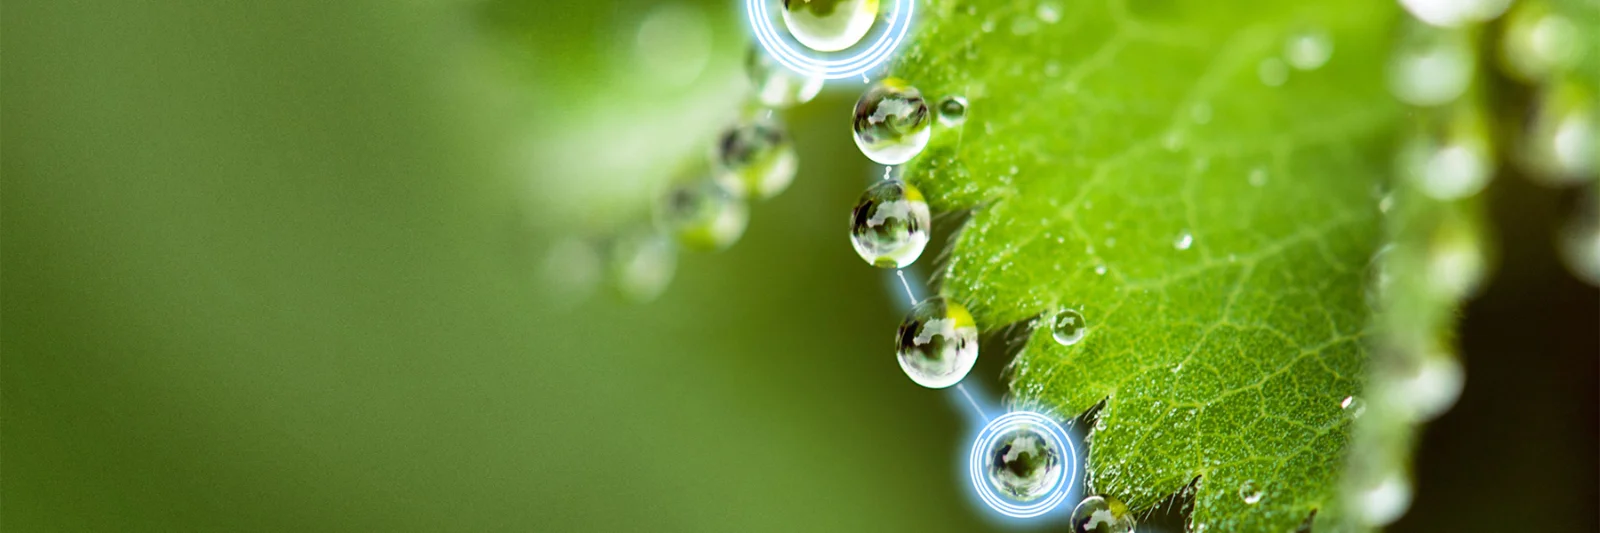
pixel 991 434
pixel 849 67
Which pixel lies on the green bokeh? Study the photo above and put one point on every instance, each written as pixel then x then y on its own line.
pixel 265 269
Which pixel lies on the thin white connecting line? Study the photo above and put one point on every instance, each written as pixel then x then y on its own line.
pixel 886 171
pixel 911 295
pixel 963 389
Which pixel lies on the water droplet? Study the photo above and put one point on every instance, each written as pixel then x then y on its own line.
pixel 1431 388
pixel 777 86
pixel 1200 113
pixel 1538 43
pixel 1431 66
pixel 1456 258
pixel 702 215
pixel 1309 49
pixel 829 25
pixel 641 264
pixel 937 343
pixel 1385 501
pixel 889 226
pixel 1258 177
pixel 1453 13
pixel 1563 138
pixel 1353 407
pixel 1024 463
pixel 1102 514
pixel 1580 243
pixel 755 158
pixel 572 269
pixel 1455 169
pixel 1049 12
pixel 891 122
pixel 1272 72
pixel 1100 269
pixel 1379 277
pixel 1069 326
pixel 1249 492
pixel 1184 241
pixel 673 44
pixel 952 110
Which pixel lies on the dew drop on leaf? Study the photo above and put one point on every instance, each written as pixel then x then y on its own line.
pixel 702 215
pixel 755 159
pixel 1431 66
pixel 1308 49
pixel 1449 160
pixel 1580 243
pixel 1385 501
pixel 1102 514
pixel 1353 407
pixel 937 343
pixel 1452 13
pixel 1249 492
pixel 776 85
pixel 889 225
pixel 640 265
pixel 1431 388
pixel 891 122
pixel 1562 141
pixel 829 25
pixel 952 110
pixel 1068 327
pixel 1184 241
pixel 1049 12
pixel 1538 42
pixel 1024 463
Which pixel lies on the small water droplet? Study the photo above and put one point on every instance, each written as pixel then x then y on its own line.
pixel 1430 388
pixel 1562 143
pixel 1049 12
pixel 1309 49
pixel 1102 514
pixel 641 264
pixel 673 44
pixel 1579 243
pixel 891 122
pixel 987 26
pixel 1258 177
pixel 937 343
pixel 1024 463
pixel 702 215
pixel 756 159
pixel 829 26
pixel 572 269
pixel 774 84
pixel 1273 72
pixel 953 110
pixel 1456 260
pixel 1200 113
pixel 889 226
pixel 1353 407
pixel 1453 13
pixel 1184 241
pixel 1431 66
pixel 1249 492
pixel 1069 327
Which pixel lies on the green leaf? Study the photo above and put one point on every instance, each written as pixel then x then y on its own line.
pixel 1100 135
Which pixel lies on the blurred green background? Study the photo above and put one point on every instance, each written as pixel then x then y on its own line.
pixel 281 266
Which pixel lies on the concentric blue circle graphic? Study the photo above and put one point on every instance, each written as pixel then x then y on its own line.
pixel 829 66
pixel 1054 495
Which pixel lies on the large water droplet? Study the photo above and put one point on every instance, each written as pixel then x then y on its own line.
pixel 777 86
pixel 952 110
pixel 891 122
pixel 889 226
pixel 1453 13
pixel 937 343
pixel 1580 242
pixel 1024 463
pixel 1385 501
pixel 1538 42
pixel 1069 327
pixel 641 264
pixel 1308 49
pixel 829 25
pixel 1563 138
pixel 702 215
pixel 1250 492
pixel 1431 388
pixel 1431 66
pixel 1102 514
pixel 755 158
pixel 1451 160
